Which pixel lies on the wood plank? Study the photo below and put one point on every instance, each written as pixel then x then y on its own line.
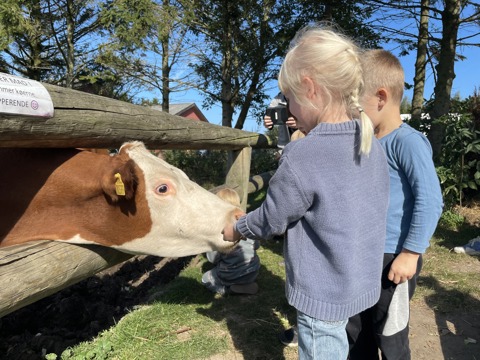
pixel 35 270
pixel 92 121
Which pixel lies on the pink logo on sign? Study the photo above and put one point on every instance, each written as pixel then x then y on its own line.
pixel 34 105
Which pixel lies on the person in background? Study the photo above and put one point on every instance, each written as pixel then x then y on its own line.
pixel 283 120
pixel 329 194
pixel 470 248
pixel 414 210
pixel 237 271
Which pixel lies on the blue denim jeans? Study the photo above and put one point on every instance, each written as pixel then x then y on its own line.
pixel 241 266
pixel 321 340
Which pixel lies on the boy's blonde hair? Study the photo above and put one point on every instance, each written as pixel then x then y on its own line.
pixel 332 61
pixel 297 134
pixel 229 195
pixel 383 69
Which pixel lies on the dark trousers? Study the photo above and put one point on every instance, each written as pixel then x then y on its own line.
pixel 385 325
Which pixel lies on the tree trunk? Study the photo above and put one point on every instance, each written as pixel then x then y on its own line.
pixel 165 75
pixel 70 60
pixel 445 73
pixel 420 66
pixel 227 61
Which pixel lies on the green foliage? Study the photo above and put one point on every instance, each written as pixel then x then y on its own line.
pixel 256 199
pixel 451 220
pixel 207 168
pixel 243 44
pixel 129 27
pixel 460 159
pixel 263 160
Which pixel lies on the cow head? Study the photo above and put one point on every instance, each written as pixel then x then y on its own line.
pixel 185 218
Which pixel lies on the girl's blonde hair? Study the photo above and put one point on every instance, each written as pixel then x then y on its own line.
pixel 332 62
pixel 229 195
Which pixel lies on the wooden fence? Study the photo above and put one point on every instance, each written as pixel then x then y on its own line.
pixel 35 270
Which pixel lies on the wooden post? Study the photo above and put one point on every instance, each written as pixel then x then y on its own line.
pixel 238 173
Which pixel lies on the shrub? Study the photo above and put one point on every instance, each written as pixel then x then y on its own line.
pixel 459 171
pixel 208 167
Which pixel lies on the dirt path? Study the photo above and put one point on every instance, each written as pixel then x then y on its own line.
pixel 443 336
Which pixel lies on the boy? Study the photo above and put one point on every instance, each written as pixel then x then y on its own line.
pixel 414 209
pixel 235 272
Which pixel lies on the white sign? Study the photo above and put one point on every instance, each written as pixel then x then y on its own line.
pixel 24 97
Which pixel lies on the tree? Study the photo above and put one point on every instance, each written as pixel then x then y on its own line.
pixel 58 41
pixel 26 42
pixel 451 22
pixel 148 45
pixel 73 24
pixel 238 46
pixel 444 20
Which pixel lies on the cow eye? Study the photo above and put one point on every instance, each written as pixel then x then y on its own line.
pixel 162 189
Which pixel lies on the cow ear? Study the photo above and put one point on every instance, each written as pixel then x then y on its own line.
pixel 119 181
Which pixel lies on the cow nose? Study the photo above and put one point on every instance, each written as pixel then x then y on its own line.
pixel 238 213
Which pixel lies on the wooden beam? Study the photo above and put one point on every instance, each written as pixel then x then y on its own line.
pixel 259 182
pixel 91 121
pixel 32 271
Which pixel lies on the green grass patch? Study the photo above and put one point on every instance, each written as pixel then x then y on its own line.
pixel 186 321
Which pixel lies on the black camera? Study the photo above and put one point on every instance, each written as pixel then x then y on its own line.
pixel 278 114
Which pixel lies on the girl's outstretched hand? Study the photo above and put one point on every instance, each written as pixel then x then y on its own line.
pixel 230 234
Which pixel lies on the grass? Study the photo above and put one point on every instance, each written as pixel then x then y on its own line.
pixel 449 281
pixel 186 321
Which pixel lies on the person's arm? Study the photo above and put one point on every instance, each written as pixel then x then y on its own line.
pixel 283 205
pixel 415 158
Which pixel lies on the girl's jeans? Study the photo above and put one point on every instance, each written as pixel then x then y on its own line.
pixel 321 340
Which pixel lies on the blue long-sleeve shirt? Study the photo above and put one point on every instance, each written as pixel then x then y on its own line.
pixel 415 195
pixel 332 203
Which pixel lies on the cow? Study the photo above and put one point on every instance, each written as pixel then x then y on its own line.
pixel 132 201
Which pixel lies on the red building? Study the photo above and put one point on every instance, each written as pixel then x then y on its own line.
pixel 186 110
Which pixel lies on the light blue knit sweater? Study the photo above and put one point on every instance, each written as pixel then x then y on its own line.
pixel 332 205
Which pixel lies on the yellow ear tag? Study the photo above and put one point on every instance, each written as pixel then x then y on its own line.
pixel 119 186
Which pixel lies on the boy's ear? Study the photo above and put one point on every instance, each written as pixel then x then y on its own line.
pixel 382 95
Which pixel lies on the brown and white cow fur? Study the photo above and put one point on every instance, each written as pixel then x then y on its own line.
pixel 70 195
